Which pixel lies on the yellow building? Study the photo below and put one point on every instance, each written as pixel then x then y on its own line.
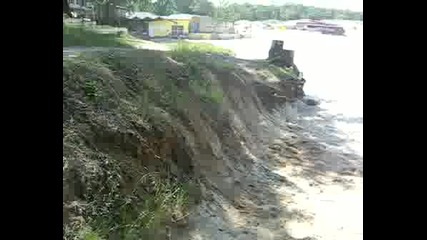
pixel 160 28
pixel 164 26
pixel 183 24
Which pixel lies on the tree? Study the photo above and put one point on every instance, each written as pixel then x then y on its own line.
pixel 164 7
pixel 202 7
pixel 106 11
pixel 66 8
pixel 184 6
pixel 139 5
pixel 243 11
pixel 132 5
pixel 225 12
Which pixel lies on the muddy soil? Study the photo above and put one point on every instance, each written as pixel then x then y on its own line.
pixel 308 185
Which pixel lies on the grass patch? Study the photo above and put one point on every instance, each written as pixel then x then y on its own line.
pixel 78 35
pixel 282 73
pixel 186 48
pixel 117 106
pixel 137 215
pixel 198 64
pixel 141 214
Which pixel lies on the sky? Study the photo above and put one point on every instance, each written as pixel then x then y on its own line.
pixel 354 5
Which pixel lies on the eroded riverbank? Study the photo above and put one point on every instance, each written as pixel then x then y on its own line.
pixel 309 183
pixel 303 188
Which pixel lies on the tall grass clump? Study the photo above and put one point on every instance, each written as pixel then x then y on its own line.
pixel 200 59
pixel 117 177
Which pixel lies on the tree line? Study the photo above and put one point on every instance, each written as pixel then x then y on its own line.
pixel 233 12
pixel 227 12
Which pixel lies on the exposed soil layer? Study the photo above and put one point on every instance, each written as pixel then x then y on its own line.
pixel 204 122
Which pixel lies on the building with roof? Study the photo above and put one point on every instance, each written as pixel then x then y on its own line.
pixel 174 25
pixel 183 24
pixel 149 24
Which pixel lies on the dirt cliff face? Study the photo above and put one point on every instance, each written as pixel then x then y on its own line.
pixel 132 113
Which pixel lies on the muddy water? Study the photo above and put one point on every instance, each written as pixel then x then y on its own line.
pixel 333 136
pixel 334 70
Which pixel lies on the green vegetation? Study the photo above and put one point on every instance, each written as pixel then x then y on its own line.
pixel 189 48
pixel 281 73
pixel 88 36
pixel 227 11
pixel 224 11
pixel 122 114
pixel 194 57
pixel 233 12
pixel 117 198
